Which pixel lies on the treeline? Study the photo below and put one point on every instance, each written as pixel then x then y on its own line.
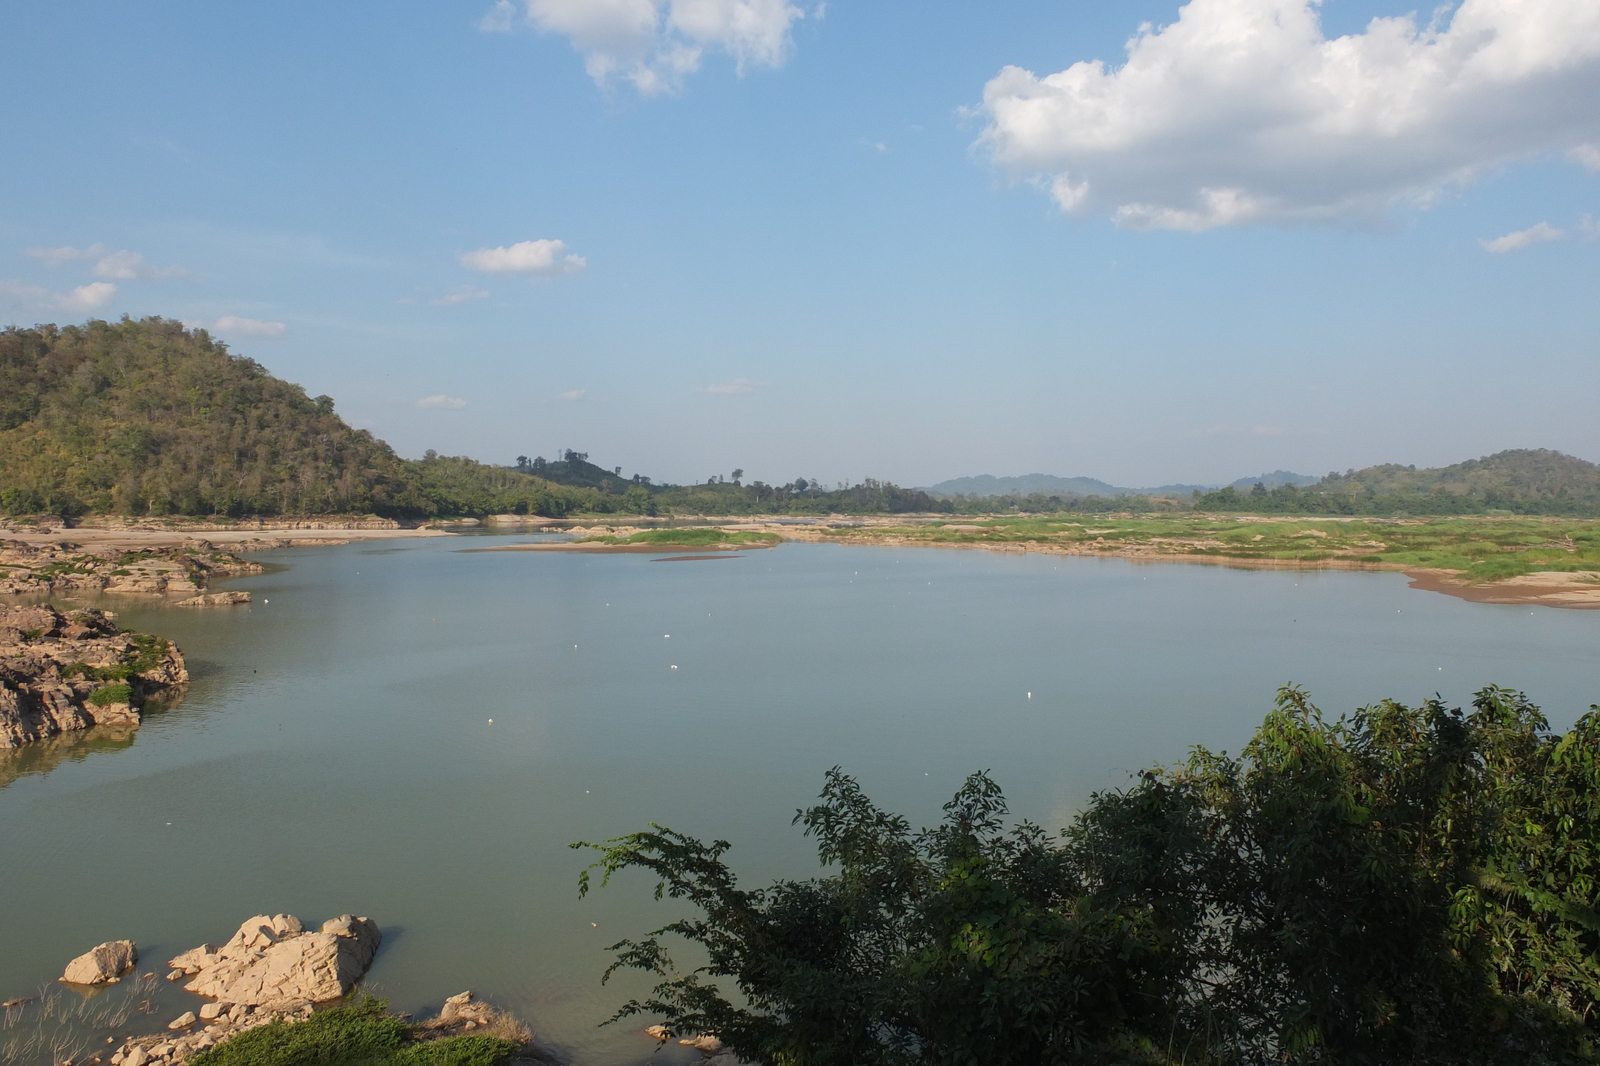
pixel 1331 498
pixel 1406 885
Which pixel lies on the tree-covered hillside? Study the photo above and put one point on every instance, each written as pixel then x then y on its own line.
pixel 147 417
pixel 1520 481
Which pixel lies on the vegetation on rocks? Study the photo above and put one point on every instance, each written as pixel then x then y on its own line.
pixel 360 1034
pixel 1407 884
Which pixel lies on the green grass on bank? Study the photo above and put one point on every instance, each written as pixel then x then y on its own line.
pixel 1483 549
pixel 694 537
pixel 362 1034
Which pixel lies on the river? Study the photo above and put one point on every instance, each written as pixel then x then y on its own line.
pixel 336 751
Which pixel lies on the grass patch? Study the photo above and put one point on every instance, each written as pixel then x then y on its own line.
pixel 695 537
pixel 361 1034
pixel 109 694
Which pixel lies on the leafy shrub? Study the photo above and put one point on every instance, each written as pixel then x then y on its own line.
pixel 1403 885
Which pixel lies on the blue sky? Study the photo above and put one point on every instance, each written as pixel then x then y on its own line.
pixel 902 240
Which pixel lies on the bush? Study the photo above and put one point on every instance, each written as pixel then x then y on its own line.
pixel 1405 885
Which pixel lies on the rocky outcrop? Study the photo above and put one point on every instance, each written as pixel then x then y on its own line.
pixel 273 961
pixel 186 1036
pixel 67 567
pixel 62 672
pixel 712 1051
pixel 103 964
pixel 215 599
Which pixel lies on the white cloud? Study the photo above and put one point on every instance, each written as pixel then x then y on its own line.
pixel 654 44
pixel 575 395
pixel 525 257
pixel 1522 238
pixel 498 18
pixel 127 266
pixel 461 295
pixel 56 256
pixel 1589 228
pixel 450 403
pixel 89 297
pixel 245 327
pixel 739 387
pixel 1244 111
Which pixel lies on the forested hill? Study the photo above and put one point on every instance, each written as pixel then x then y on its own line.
pixel 1522 481
pixel 146 417
pixel 149 418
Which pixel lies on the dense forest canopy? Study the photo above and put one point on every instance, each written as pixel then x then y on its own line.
pixel 150 418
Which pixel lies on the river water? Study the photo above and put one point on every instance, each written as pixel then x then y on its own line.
pixel 336 754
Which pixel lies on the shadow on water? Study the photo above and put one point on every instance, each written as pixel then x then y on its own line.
pixel 43 756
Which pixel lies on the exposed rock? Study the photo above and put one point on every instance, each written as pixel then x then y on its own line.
pixel 102 964
pixel 462 1014
pixel 64 567
pixel 183 1021
pixel 214 599
pixel 60 673
pixel 274 961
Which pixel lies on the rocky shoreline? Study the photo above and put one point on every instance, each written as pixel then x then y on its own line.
pixel 273 970
pixel 64 566
pixel 64 672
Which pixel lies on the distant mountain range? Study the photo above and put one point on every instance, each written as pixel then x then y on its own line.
pixel 1051 485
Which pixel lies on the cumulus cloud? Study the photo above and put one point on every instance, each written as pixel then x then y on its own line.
pixel 449 403
pixel 464 294
pixel 1243 111
pixel 575 395
pixel 655 44
pixel 543 258
pixel 739 387
pixel 56 256
pixel 91 297
pixel 1522 238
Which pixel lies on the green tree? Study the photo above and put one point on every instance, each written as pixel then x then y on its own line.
pixel 1402 885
